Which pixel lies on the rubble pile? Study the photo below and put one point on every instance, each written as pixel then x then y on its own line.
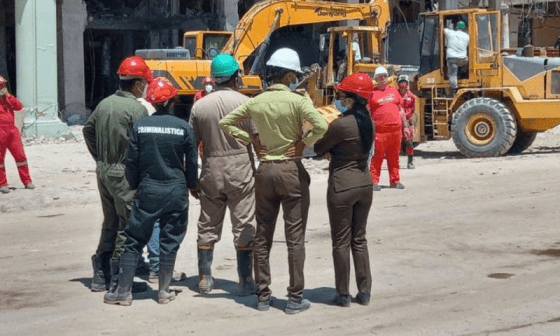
pixel 73 135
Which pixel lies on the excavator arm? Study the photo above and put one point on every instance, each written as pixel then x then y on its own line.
pixel 267 16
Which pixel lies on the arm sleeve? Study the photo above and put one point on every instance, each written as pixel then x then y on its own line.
pixel 329 140
pixel 193 123
pixel 230 124
pixel 15 103
pixel 131 160
pixel 90 137
pixel 315 119
pixel 191 166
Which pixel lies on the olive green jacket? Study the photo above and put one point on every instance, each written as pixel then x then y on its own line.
pixel 279 115
pixel 107 130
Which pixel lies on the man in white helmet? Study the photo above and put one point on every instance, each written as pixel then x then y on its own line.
pixel 281 178
pixel 387 114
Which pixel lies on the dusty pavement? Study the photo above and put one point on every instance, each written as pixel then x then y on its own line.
pixel 470 247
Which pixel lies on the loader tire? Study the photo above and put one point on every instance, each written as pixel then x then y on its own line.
pixel 523 140
pixel 483 127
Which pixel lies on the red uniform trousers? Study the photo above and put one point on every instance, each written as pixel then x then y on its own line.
pixel 387 145
pixel 11 140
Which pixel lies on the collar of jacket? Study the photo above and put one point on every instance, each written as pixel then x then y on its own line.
pixel 127 94
pixel 279 87
pixel 162 111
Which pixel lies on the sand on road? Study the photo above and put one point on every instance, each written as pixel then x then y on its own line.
pixel 470 247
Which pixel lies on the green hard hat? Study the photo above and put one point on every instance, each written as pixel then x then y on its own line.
pixel 224 65
pixel 460 25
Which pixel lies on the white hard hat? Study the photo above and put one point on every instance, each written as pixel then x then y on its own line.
pixel 380 71
pixel 402 78
pixel 285 58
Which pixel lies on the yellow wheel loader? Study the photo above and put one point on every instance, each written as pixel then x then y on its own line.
pixel 502 100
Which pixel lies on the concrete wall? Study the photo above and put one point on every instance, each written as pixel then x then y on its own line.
pixel 230 15
pixel 3 45
pixel 74 21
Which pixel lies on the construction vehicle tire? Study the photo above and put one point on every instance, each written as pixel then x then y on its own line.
pixel 483 127
pixel 523 140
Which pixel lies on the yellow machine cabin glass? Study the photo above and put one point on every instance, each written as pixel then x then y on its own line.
pixel 213 44
pixel 487 38
pixel 190 44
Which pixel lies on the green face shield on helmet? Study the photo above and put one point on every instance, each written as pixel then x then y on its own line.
pixel 224 65
pixel 460 25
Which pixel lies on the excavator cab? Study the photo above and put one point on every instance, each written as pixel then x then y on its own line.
pixel 205 45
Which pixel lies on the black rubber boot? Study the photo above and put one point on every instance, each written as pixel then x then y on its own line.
pixel 114 275
pixel 205 280
pixel 246 285
pixel 410 164
pixel 123 294
pixel 166 265
pixel 98 281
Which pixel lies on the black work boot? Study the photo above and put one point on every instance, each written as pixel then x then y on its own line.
pixel 98 281
pixel 114 274
pixel 246 284
pixel 166 265
pixel 205 281
pixel 123 294
pixel 410 164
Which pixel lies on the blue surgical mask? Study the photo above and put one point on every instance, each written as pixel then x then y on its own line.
pixel 339 106
pixel 294 85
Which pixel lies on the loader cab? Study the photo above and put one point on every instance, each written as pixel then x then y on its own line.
pixel 482 25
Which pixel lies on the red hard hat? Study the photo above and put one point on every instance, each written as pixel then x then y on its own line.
pixel 160 90
pixel 207 80
pixel 358 83
pixel 134 67
pixel 2 81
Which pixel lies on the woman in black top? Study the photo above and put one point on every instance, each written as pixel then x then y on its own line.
pixel 349 196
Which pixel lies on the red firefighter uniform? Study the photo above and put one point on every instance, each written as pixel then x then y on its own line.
pixel 10 139
pixel 409 105
pixel 385 112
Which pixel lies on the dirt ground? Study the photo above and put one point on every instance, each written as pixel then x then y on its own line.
pixel 470 247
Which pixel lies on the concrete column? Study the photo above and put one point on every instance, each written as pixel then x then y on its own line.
pixel 230 14
pixel 74 21
pixel 37 66
pixel 505 26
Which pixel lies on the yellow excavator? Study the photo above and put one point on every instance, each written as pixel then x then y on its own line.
pixel 502 100
pixel 250 41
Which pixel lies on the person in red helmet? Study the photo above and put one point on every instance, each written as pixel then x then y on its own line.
pixel 161 166
pixel 409 106
pixel 208 83
pixel 106 134
pixel 387 114
pixel 10 139
pixel 349 194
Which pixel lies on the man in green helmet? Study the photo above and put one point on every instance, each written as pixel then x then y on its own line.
pixel 226 179
pixel 457 43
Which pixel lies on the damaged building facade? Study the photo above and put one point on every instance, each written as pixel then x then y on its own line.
pixel 60 56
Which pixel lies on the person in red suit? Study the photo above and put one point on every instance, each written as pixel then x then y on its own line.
pixel 409 106
pixel 10 139
pixel 387 114
pixel 208 83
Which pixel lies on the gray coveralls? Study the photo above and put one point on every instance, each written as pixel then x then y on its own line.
pixel 226 179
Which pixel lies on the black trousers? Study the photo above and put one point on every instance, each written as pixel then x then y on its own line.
pixel 348 212
pixel 169 204
pixel 283 184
